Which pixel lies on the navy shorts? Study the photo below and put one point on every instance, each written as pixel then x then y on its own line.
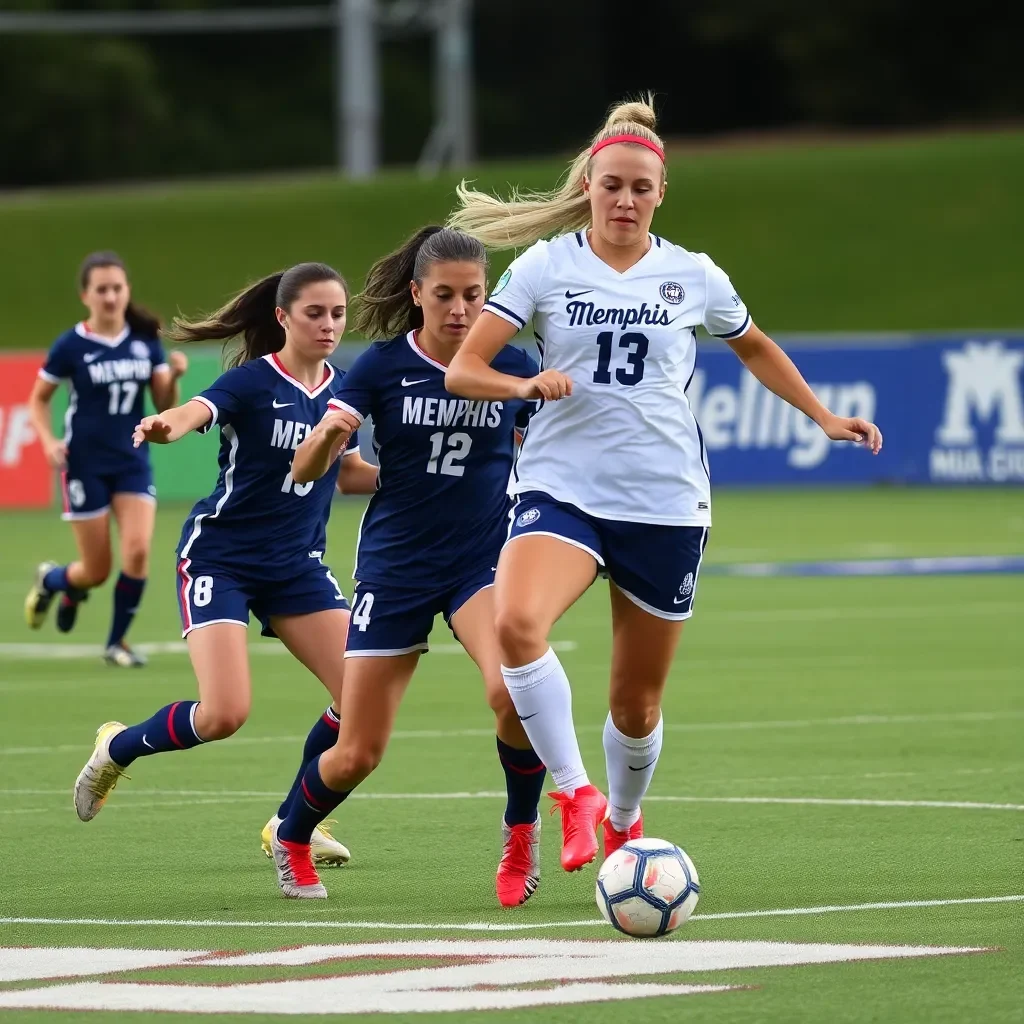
pixel 209 594
pixel 656 567
pixel 388 621
pixel 87 495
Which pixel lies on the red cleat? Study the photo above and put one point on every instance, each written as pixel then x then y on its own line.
pixel 582 814
pixel 614 839
pixel 519 869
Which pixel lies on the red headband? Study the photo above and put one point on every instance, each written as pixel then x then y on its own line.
pixel 637 139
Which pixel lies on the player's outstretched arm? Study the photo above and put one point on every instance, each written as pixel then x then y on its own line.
pixel 470 375
pixel 167 427
pixel 322 445
pixel 357 476
pixel 777 372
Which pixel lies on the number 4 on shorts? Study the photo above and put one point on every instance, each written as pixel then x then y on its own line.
pixel 361 612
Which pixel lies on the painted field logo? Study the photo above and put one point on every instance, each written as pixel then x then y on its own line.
pixel 984 390
pixel 456 976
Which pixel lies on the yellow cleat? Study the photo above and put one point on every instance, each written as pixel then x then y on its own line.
pixel 326 850
pixel 38 601
pixel 98 778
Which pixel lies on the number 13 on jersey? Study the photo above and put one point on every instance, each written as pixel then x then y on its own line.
pixel 636 346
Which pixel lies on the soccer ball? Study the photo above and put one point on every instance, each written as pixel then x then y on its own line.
pixel 647 887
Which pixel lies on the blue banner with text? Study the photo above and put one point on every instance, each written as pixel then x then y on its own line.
pixel 950 410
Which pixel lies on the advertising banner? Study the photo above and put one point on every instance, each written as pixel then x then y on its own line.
pixel 26 481
pixel 951 412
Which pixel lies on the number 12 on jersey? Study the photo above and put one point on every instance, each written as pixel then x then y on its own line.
pixel 459 445
pixel 632 373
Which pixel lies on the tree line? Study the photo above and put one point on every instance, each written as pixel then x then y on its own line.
pixel 83 109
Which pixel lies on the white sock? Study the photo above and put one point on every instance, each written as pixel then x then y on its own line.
pixel 630 763
pixel 543 700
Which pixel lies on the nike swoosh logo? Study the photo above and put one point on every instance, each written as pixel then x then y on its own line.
pixel 409 383
pixel 576 295
pixel 681 600
pixel 281 405
pixel 525 718
pixel 91 357
pixel 147 743
pixel 645 767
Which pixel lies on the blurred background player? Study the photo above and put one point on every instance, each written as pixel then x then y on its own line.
pixel 108 361
pixel 613 476
pixel 429 540
pixel 257 542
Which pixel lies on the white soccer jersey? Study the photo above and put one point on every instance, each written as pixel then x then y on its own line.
pixel 625 445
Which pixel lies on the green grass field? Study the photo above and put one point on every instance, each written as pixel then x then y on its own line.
pixel 912 234
pixel 830 743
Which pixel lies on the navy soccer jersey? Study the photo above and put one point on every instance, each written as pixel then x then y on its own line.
pixel 258 522
pixel 107 380
pixel 442 493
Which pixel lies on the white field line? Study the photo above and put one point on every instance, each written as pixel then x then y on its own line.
pixel 735 666
pixel 827 613
pixel 493 926
pixel 238 796
pixel 688 727
pixel 58 651
pixel 696 782
pixel 44 651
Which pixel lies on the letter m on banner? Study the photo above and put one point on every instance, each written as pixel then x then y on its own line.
pixel 984 379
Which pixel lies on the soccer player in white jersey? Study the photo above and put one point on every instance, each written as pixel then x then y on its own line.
pixel 613 475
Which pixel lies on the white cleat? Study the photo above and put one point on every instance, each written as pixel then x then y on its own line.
pixel 327 851
pixel 296 876
pixel 98 778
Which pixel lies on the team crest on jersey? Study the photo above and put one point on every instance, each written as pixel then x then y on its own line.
pixel 531 515
pixel 673 292
pixel 140 350
pixel 502 281
pixel 686 587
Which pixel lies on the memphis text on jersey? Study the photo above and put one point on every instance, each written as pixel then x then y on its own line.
pixel 112 370
pixel 587 313
pixel 451 412
pixel 289 434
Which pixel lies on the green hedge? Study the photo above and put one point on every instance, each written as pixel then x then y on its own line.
pixel 905 234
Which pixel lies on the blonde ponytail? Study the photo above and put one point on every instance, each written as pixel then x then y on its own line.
pixel 526 217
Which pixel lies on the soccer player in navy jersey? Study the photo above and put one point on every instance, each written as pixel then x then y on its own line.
pixel 257 542
pixel 107 361
pixel 428 542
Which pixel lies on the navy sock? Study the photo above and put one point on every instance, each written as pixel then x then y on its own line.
pixel 313 802
pixel 127 595
pixel 524 783
pixel 321 737
pixel 56 580
pixel 171 728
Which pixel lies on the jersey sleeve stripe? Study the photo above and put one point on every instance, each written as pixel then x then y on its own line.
pixel 48 377
pixel 161 366
pixel 506 314
pixel 213 413
pixel 337 403
pixel 350 451
pixel 742 329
